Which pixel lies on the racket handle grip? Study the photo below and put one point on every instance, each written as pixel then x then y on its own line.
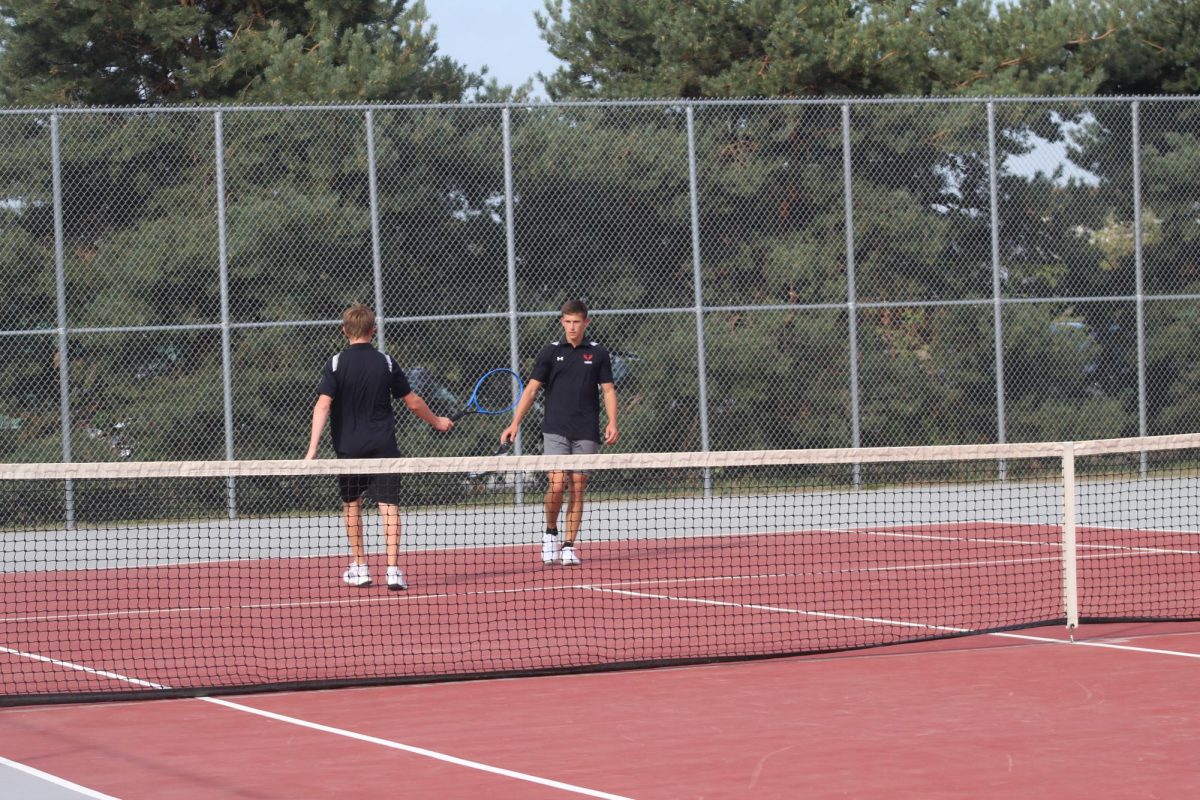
pixel 457 415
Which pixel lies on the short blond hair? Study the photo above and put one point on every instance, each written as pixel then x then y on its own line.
pixel 358 321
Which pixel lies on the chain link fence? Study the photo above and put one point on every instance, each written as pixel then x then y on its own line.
pixel 768 274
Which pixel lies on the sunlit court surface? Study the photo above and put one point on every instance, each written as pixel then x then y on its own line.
pixel 973 622
pixel 1005 715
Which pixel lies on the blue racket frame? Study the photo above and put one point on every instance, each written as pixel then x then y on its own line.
pixel 473 406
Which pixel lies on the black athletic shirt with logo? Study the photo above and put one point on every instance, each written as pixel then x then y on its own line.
pixel 362 382
pixel 570 377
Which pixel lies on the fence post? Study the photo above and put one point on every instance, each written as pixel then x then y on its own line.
pixel 851 289
pixel 698 292
pixel 223 261
pixel 60 280
pixel 510 255
pixel 376 253
pixel 1138 267
pixel 997 309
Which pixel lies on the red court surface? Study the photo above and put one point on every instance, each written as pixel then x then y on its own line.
pixel 1023 715
pixel 480 610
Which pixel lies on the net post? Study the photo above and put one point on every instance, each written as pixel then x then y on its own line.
pixel 1070 576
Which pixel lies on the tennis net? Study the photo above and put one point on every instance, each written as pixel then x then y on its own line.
pixel 165 579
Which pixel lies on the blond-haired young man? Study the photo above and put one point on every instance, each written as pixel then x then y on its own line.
pixel 356 391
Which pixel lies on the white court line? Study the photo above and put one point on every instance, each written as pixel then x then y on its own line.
pixel 116 676
pixel 407 597
pixel 558 784
pixel 1113 552
pixel 878 530
pixel 901 623
pixel 865 570
pixel 703 601
pixel 251 561
pixel 46 776
pixel 362 737
pixel 1105 645
pixel 1024 542
pixel 420 751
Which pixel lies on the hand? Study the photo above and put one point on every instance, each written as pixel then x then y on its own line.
pixel 443 424
pixel 610 434
pixel 508 435
pixel 311 454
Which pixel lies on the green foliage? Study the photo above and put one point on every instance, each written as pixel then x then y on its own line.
pixel 139 214
pixel 601 210
pixel 128 52
pixel 772 211
pixel 778 48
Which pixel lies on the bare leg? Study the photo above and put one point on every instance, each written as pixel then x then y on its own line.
pixel 391 531
pixel 352 511
pixel 575 506
pixel 554 497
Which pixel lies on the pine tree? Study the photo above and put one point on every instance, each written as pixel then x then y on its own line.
pixel 125 52
pixel 139 202
pixel 779 48
pixel 771 211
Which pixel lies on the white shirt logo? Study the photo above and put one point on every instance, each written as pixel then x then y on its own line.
pixel 558 358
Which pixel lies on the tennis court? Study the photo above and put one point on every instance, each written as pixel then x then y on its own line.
pixel 499 609
pixel 859 623
pixel 1007 715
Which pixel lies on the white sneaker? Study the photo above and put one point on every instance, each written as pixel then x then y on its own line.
pixel 357 575
pixel 569 558
pixel 549 549
pixel 395 579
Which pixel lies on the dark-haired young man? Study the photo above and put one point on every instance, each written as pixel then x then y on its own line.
pixel 570 371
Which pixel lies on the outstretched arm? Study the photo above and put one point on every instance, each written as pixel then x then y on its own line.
pixel 417 405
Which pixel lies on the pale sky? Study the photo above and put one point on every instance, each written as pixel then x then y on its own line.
pixel 498 33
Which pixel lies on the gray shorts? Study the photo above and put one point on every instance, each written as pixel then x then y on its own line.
pixel 555 445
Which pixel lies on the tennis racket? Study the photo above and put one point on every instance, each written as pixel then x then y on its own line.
pixel 497 392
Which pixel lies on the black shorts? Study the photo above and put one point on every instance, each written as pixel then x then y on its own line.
pixel 382 488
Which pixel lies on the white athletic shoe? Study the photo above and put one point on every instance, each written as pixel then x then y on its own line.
pixel 549 549
pixel 357 575
pixel 569 558
pixel 395 579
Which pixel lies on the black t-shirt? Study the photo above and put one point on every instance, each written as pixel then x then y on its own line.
pixel 570 377
pixel 362 382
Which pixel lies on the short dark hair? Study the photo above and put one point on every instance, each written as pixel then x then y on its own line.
pixel 574 307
